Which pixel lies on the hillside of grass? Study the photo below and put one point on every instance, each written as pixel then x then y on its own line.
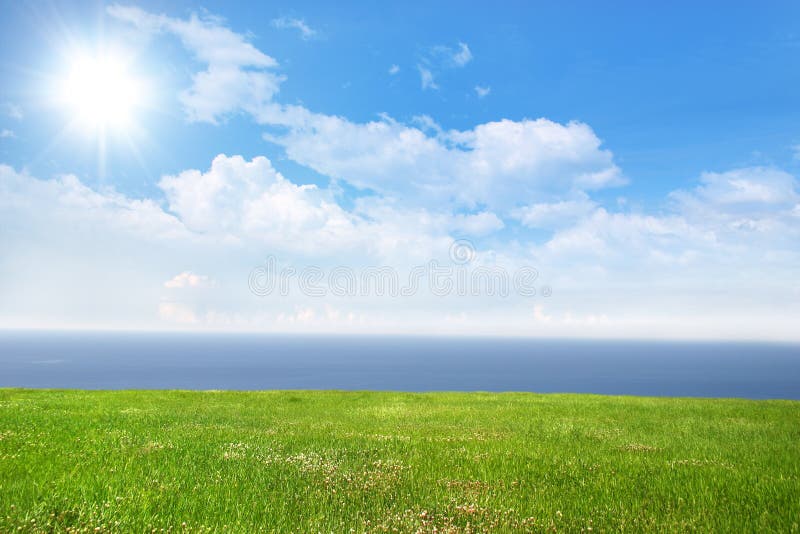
pixel 134 461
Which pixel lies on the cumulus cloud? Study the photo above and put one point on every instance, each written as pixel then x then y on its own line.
pixel 747 189
pixel 394 69
pixel 57 235
pixel 306 32
pixel 482 92
pixel 70 250
pixel 555 214
pixel 616 235
pixel 756 205
pixel 237 75
pixel 250 203
pixel 740 216
pixel 477 224
pixel 6 134
pixel 249 199
pixel 500 164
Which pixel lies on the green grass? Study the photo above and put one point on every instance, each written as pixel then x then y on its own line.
pixel 132 461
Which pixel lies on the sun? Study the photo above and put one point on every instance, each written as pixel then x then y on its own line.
pixel 103 99
pixel 100 93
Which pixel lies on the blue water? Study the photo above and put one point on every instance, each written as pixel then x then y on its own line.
pixel 212 361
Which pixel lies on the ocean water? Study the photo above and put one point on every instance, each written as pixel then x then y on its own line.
pixel 252 362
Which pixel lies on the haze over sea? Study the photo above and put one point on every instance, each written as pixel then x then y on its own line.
pixel 252 362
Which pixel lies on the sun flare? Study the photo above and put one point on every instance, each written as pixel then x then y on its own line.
pixel 99 92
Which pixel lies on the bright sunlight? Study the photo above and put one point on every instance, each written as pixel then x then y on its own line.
pixel 100 93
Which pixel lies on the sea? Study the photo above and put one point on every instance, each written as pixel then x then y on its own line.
pixel 203 361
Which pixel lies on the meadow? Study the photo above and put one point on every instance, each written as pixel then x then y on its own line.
pixel 300 461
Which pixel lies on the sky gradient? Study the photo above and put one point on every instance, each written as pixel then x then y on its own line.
pixel 642 159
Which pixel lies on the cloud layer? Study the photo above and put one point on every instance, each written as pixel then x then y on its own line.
pixel 526 192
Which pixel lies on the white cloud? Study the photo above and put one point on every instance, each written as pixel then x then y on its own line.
pixel 84 250
pixel 394 69
pixel 249 203
pixel 70 251
pixel 448 57
pixel 188 279
pixel 751 206
pixel 748 203
pixel 439 58
pixel 477 224
pixel 207 38
pixel 7 134
pixel 625 235
pixel 668 271
pixel 747 188
pixel 462 56
pixel 236 76
pixel 555 214
pixel 737 218
pixel 500 164
pixel 306 32
pixel 75 256
pixel 85 206
pixel 424 122
pixel 482 92
pixel 426 78
pixel 250 199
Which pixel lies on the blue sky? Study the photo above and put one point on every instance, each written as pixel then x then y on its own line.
pixel 642 157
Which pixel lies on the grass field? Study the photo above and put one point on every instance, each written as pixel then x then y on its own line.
pixel 136 461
